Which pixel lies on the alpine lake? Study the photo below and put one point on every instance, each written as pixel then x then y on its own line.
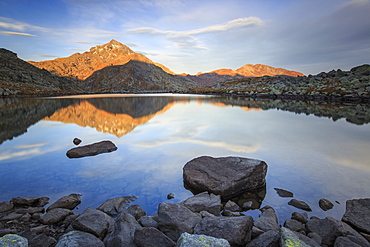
pixel 315 150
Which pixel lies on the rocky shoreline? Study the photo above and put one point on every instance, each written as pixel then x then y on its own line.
pixel 206 219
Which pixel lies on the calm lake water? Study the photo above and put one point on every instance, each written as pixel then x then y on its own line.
pixel 313 157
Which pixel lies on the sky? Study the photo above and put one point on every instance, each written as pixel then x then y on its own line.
pixel 191 36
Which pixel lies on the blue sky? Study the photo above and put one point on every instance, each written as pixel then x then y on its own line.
pixel 189 36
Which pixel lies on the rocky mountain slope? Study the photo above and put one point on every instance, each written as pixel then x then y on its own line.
pixel 20 77
pixel 83 65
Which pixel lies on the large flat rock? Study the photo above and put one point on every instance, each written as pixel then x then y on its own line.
pixel 225 176
pixel 92 149
pixel 358 214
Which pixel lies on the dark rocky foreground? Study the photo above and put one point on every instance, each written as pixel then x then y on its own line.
pixel 205 219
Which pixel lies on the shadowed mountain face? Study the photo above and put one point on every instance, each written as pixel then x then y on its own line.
pixel 20 77
pixel 135 76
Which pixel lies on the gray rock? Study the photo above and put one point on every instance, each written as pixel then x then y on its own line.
pixel 42 240
pixel 175 218
pixel 93 221
pixel 54 216
pixel 358 214
pixel 225 176
pixel 152 237
pixel 92 149
pixel 316 237
pixel 13 240
pixel 300 217
pixel 299 204
pixel 30 201
pixel 294 225
pixel 231 214
pixel 79 239
pixel 30 210
pixel 68 202
pixel 267 220
pixel 11 216
pixel 325 204
pixel 123 231
pixel 283 193
pixel 115 206
pixel 204 202
pixel 170 196
pixel 6 206
pixel 267 239
pixel 26 217
pixel 148 221
pixel 76 141
pixel 231 206
pixel 136 211
pixel 329 229
pixel 194 240
pixel 236 230
pixel 345 242
pixel 307 240
pixel 289 238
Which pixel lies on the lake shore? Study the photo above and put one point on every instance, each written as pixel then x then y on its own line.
pixel 118 221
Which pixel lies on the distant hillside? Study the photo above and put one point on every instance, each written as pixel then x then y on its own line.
pixel 19 77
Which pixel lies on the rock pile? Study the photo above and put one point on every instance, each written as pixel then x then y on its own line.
pixel 192 222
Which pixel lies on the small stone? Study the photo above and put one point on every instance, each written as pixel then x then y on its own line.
pixel 232 206
pixel 68 202
pixel 170 196
pixel 76 141
pixel 26 217
pixel 294 225
pixel 301 217
pixel 299 204
pixel 283 193
pixel 136 211
pixel 325 204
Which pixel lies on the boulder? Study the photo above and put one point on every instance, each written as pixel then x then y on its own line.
pixel 345 242
pixel 148 221
pixel 175 218
pixel 123 231
pixel 358 214
pixel 68 202
pixel 325 204
pixel 30 201
pixel 225 176
pixel 294 225
pixel 115 206
pixel 55 215
pixel 289 238
pixel 267 239
pixel 136 211
pixel 204 202
pixel 92 149
pixel 194 240
pixel 329 229
pixel 299 204
pixel 6 206
pixel 236 230
pixel 42 240
pixel 267 220
pixel 300 217
pixel 81 239
pixel 152 237
pixel 283 193
pixel 13 240
pixel 93 221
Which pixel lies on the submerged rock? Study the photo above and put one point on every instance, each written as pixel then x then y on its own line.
pixel 325 204
pixel 92 149
pixel 283 193
pixel 194 240
pixel 225 176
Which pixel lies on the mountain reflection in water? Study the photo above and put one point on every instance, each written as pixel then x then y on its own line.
pixel 156 135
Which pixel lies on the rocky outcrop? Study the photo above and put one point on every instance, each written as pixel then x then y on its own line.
pixel 18 77
pixel 357 214
pixel 92 149
pixel 225 176
pixel 336 85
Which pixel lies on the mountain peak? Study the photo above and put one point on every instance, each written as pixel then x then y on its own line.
pixel 112 45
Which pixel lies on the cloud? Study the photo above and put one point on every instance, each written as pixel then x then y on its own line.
pixel 11 24
pixel 76 49
pixel 9 33
pixel 186 39
pixel 86 42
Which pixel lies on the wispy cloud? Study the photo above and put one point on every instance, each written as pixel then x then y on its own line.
pixel 76 49
pixel 186 39
pixel 45 55
pixel 10 33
